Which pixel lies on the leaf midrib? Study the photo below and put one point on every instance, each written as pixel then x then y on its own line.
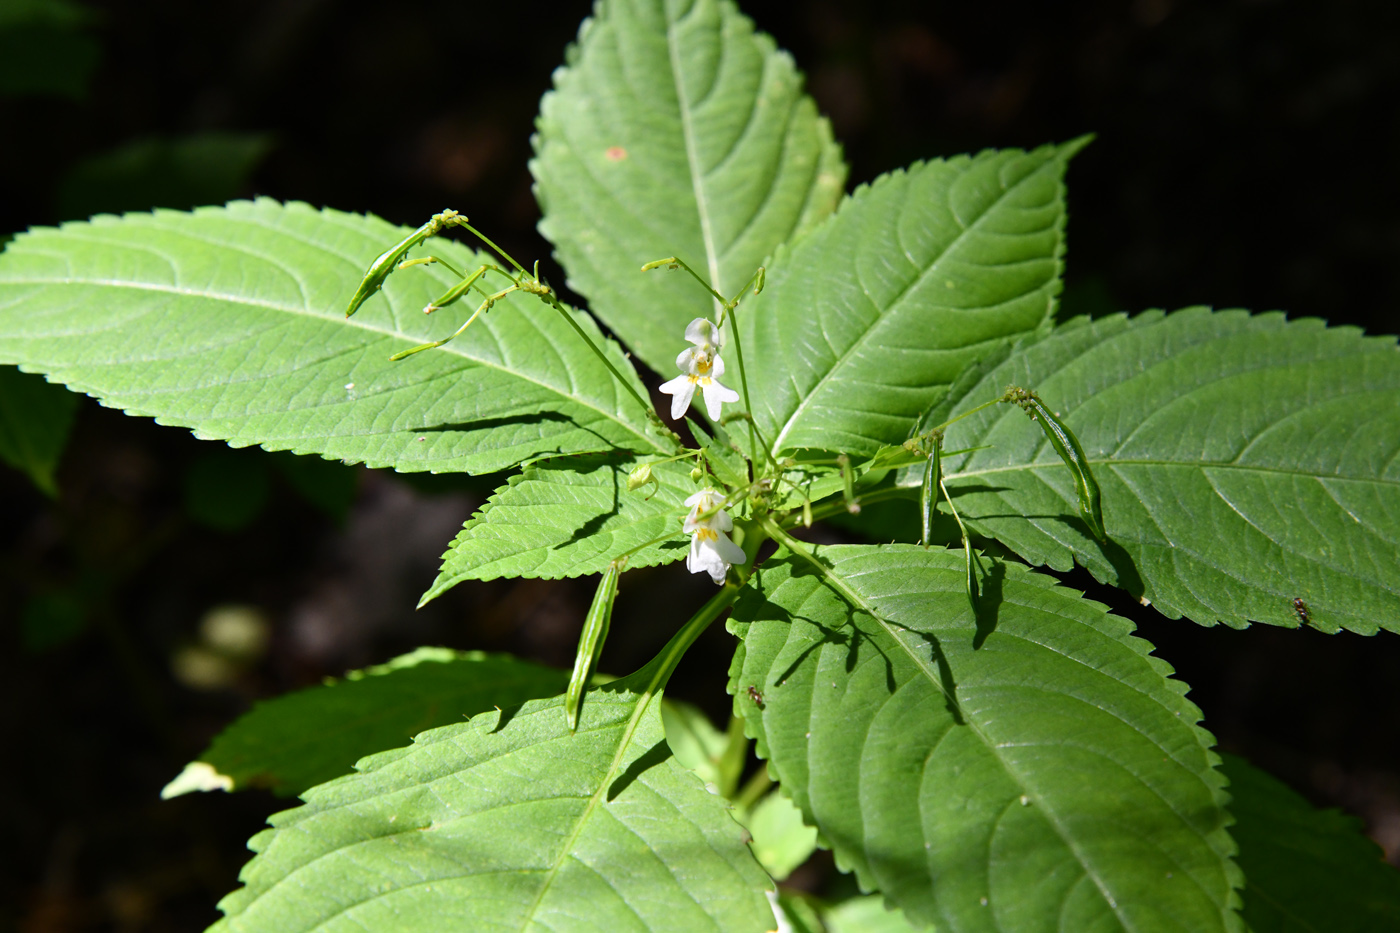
pixel 888 312
pixel 358 323
pixel 643 703
pixel 692 156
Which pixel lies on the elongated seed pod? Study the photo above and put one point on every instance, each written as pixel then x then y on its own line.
pixel 590 642
pixel 455 292
pixel 1067 446
pixel 928 495
pixel 386 262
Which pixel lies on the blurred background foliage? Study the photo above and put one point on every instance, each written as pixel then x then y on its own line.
pixel 153 585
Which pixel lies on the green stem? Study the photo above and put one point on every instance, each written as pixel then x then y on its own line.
pixel 563 312
pixel 731 760
pixel 677 261
pixel 489 242
pixel 754 789
pixel 664 664
pixel 968 413
pixel 744 385
pixel 880 495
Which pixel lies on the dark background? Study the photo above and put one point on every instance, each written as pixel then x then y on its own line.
pixel 1247 155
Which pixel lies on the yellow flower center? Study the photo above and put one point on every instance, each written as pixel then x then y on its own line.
pixel 706 534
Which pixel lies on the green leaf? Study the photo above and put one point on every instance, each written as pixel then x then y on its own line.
pixel 1039 766
pixel 864 324
pixel 180 172
pixel 227 489
pixel 694 740
pixel 676 129
pixel 35 419
pixel 306 738
pixel 231 321
pixel 327 485
pixel 568 517
pixel 510 822
pixel 1305 869
pixel 46 49
pixel 781 841
pixel 1201 427
pixel 866 915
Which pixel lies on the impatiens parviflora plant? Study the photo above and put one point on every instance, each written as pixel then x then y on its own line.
pixel 983 748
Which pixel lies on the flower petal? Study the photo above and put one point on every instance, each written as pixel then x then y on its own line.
pixel 702 332
pixel 685 360
pixel 715 394
pixel 682 390
pixel 728 551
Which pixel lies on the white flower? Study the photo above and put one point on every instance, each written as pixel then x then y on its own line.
pixel 710 548
pixel 700 367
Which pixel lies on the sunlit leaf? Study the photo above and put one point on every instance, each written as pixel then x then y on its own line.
pixel 231 321
pixel 675 129
pixel 992 774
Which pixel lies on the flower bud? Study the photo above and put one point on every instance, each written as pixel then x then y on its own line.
pixel 639 477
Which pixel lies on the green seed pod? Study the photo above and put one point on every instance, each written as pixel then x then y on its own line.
pixel 933 479
pixel 388 260
pixel 590 642
pixel 1067 446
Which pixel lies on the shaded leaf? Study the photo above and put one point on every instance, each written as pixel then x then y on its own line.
pixel 781 841
pixel 1038 766
pixel 675 129
pixel 231 321
pixel 1306 869
pixel 46 49
pixel 1245 461
pixel 302 739
pixel 35 420
pixel 227 489
pixel 510 822
pixel 866 915
pixel 180 172
pixel 864 324
pixel 568 517
pixel 694 740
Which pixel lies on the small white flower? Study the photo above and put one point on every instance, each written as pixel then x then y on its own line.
pixel 711 550
pixel 701 368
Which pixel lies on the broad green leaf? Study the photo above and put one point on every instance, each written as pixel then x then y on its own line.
pixel 1246 461
pixel 1037 769
pixel 510 822
pixel 1306 870
pixel 231 321
pixel 567 517
pixel 864 324
pixel 35 418
pixel 302 739
pixel 675 129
